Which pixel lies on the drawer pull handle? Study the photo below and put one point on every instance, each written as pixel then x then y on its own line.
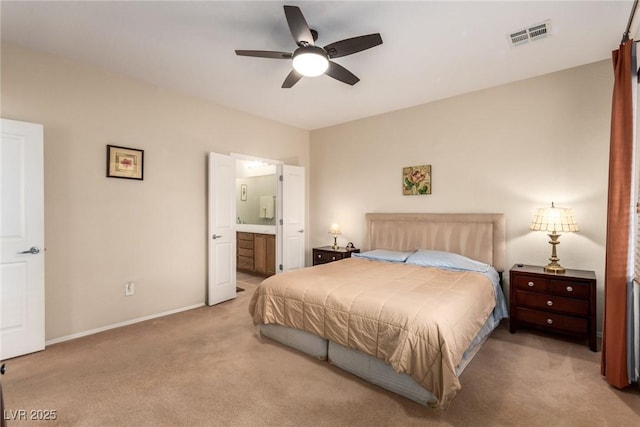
pixel 319 255
pixel 549 303
pixel 531 284
pixel 569 289
pixel 549 321
pixel 333 258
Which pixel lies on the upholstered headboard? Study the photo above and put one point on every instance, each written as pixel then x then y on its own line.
pixel 477 236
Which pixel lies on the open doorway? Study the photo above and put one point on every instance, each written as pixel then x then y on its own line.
pixel 280 223
pixel 256 228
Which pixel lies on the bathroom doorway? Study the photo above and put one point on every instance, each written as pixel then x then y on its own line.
pixel 266 234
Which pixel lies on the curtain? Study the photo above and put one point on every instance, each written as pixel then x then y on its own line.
pixel 618 267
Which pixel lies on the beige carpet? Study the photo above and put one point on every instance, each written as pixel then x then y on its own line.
pixel 209 367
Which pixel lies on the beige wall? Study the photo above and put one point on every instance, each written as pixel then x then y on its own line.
pixel 102 232
pixel 508 149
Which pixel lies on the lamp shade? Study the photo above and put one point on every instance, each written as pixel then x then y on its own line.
pixel 334 229
pixel 554 220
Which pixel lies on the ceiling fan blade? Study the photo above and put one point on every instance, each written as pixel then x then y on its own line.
pixel 298 25
pixel 291 79
pixel 355 44
pixel 338 72
pixel 265 54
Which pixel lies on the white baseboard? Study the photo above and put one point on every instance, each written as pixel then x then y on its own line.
pixel 120 324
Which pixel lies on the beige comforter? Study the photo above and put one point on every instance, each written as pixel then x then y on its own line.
pixel 418 320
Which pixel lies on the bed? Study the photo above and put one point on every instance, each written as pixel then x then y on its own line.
pixel 408 313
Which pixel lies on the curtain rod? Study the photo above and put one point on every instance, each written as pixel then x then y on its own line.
pixel 625 36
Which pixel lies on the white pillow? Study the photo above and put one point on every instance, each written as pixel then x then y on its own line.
pixel 383 255
pixel 447 260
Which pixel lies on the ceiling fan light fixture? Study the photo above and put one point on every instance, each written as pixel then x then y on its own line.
pixel 310 61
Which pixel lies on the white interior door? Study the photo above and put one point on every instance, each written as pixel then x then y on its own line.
pixel 292 217
pixel 222 229
pixel 22 239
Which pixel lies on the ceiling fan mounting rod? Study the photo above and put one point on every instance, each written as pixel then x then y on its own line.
pixel 305 43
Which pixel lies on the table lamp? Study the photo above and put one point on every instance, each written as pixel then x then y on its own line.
pixel 335 230
pixel 552 220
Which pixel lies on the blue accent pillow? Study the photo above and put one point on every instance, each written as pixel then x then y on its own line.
pixel 383 255
pixel 447 260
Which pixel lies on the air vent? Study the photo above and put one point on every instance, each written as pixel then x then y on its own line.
pixel 530 34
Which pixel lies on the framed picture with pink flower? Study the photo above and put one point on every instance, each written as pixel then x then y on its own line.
pixel 123 162
pixel 416 180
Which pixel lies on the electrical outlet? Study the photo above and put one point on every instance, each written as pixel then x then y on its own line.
pixel 129 289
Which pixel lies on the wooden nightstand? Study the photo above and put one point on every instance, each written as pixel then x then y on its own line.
pixel 325 254
pixel 561 303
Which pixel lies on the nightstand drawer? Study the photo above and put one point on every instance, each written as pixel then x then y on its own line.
pixel 579 307
pixel 322 257
pixel 532 284
pixel 553 321
pixel 325 254
pixel 570 289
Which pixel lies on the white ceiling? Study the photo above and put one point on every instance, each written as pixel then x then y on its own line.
pixel 431 50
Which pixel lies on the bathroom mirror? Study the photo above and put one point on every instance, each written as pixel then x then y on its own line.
pixel 256 188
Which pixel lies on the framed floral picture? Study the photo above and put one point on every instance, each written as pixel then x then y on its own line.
pixel 123 162
pixel 416 180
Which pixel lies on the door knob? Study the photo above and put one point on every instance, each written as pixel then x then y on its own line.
pixel 33 251
pixel 301 230
pixel 215 236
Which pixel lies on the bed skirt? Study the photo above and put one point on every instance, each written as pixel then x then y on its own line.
pixel 368 367
pixel 305 342
pixel 379 373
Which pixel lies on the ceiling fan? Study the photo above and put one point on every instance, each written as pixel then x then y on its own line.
pixel 310 60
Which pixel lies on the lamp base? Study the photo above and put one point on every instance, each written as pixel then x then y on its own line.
pixel 554 267
pixel 335 246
